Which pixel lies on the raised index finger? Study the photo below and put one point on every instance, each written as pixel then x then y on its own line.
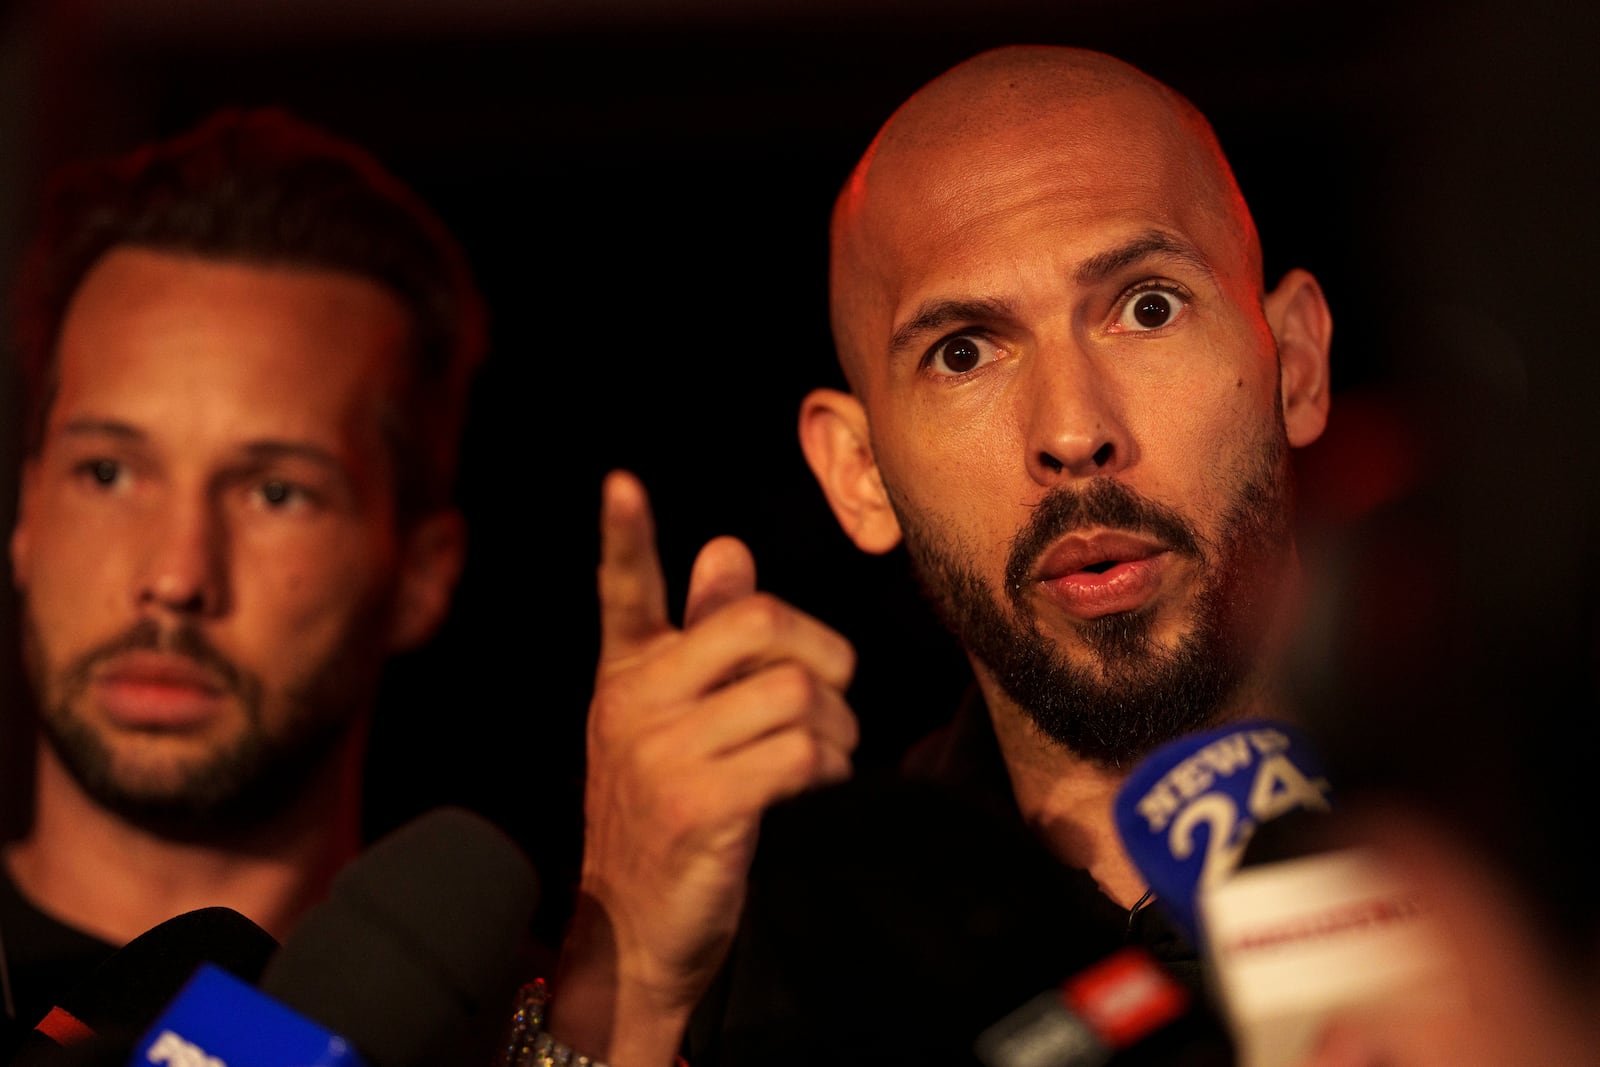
pixel 633 593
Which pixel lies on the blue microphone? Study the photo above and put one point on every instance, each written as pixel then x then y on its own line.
pixel 100 1017
pixel 1189 809
pixel 218 1019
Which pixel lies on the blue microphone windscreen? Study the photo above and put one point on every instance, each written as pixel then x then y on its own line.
pixel 1187 811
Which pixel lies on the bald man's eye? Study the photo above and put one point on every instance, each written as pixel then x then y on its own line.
pixel 960 354
pixel 1149 308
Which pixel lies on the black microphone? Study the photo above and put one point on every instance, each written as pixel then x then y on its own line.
pixel 117 1000
pixel 413 957
pixel 1126 1010
pixel 411 961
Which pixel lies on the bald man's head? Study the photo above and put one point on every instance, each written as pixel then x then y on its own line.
pixel 985 129
pixel 1072 400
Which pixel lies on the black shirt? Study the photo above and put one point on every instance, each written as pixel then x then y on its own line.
pixel 40 958
pixel 895 917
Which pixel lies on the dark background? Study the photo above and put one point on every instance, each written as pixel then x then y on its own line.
pixel 644 190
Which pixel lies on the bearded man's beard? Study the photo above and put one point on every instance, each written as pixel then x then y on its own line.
pixel 1134 695
pixel 234 787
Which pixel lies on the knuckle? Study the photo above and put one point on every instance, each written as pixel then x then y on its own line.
pixel 849 731
pixel 762 617
pixel 616 710
pixel 802 754
pixel 607 710
pixel 789 686
pixel 847 659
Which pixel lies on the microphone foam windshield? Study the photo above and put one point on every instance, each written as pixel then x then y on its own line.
pixel 1186 812
pixel 417 943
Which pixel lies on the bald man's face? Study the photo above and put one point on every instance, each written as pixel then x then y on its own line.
pixel 1055 326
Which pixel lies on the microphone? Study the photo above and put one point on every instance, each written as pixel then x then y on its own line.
pixel 117 1000
pixel 411 961
pixel 1190 814
pixel 1233 829
pixel 1294 942
pixel 1125 1009
pixel 1188 810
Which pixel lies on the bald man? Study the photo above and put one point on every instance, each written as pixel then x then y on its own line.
pixel 1072 397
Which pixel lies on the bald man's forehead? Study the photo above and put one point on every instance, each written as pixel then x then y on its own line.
pixel 1115 160
pixel 1009 87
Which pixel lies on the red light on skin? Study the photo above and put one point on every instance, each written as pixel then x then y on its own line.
pixel 1125 996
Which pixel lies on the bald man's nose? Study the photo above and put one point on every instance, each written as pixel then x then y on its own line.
pixel 1074 425
pixel 185 561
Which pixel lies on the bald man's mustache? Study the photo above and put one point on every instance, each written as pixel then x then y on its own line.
pixel 1104 504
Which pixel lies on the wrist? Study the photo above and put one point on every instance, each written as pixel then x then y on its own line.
pixel 604 971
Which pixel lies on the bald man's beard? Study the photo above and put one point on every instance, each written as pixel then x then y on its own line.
pixel 1134 695
pixel 238 786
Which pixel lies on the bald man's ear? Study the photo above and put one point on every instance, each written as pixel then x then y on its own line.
pixel 1301 323
pixel 833 436
pixel 432 554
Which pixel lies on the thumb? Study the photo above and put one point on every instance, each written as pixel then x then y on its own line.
pixel 723 571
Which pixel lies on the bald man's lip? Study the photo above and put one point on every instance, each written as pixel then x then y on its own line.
pixel 157 690
pixel 1102 573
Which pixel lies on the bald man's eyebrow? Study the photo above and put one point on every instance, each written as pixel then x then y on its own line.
pixel 1098 268
pixel 939 314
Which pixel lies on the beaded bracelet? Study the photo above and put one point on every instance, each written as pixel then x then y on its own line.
pixel 529 1046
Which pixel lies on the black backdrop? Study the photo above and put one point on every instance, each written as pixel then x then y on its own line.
pixel 644 192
